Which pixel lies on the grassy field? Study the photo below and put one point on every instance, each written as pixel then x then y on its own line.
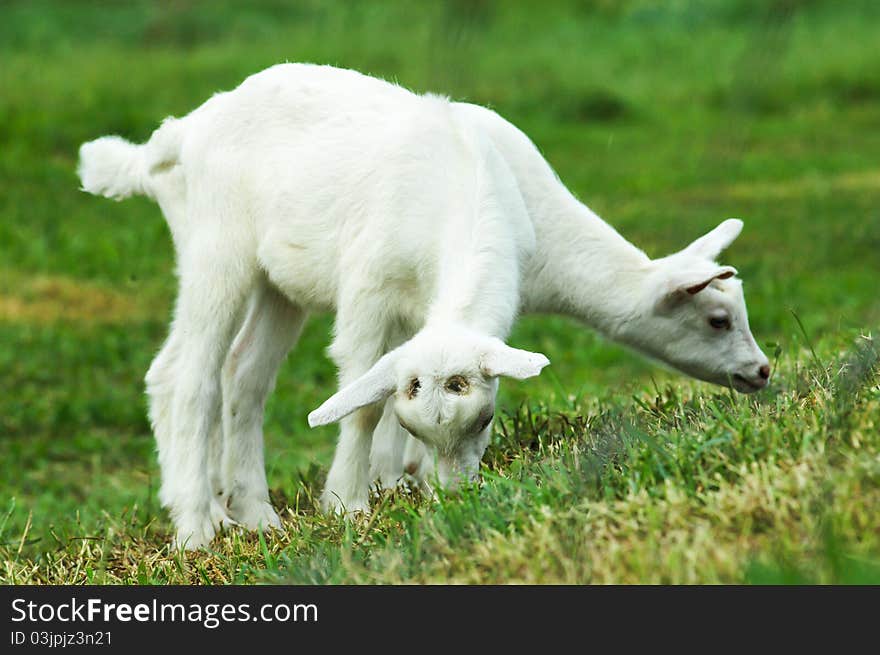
pixel 665 117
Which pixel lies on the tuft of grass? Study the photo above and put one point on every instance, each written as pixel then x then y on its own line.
pixel 671 486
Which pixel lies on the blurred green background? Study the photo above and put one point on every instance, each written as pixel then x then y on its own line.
pixel 664 117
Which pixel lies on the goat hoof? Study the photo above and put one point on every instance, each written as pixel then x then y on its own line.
pixel 194 537
pixel 389 481
pixel 220 518
pixel 255 515
pixel 332 504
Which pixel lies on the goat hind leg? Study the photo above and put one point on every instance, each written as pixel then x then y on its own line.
pixel 160 383
pixel 271 328
pixel 208 305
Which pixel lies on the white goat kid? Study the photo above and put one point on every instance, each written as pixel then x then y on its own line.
pixel 315 188
pixel 683 310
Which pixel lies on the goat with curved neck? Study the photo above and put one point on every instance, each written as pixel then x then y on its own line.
pixel 315 188
pixel 683 310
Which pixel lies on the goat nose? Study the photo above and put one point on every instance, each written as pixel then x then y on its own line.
pixel 764 372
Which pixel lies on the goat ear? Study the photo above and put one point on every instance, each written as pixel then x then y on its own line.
pixel 500 359
pixel 693 284
pixel 376 384
pixel 710 245
pixel 681 286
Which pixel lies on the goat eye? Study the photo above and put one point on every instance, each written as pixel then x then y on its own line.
pixel 413 389
pixel 720 322
pixel 456 384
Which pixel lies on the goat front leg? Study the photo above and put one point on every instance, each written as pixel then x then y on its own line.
pixel 348 482
pixel 389 439
pixel 360 341
pixel 396 454
pixel 386 454
pixel 418 461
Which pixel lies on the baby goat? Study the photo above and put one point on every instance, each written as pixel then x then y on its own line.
pixel 314 188
pixel 684 310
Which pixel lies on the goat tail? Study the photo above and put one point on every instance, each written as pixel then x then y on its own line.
pixel 115 168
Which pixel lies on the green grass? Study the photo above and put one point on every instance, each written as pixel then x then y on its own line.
pixel 664 117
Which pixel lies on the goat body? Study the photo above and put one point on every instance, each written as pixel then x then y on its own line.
pixel 315 188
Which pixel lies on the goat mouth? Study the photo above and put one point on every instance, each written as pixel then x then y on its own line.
pixel 749 386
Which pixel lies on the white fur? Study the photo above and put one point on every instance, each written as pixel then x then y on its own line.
pixel 443 381
pixel 316 188
pixel 311 188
